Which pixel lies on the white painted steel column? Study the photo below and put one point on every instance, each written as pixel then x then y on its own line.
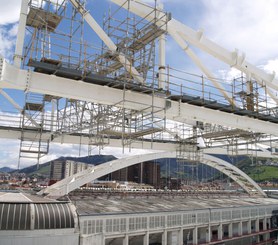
pixel 268 223
pixel 53 109
pixel 164 237
pixel 249 230
pixel 180 236
pixel 21 34
pixel 240 228
pixel 220 232
pixel 208 234
pixel 147 238
pixel 267 236
pixel 162 62
pixel 264 224
pixel 258 238
pixel 230 230
pixel 257 225
pixel 126 240
pixel 195 236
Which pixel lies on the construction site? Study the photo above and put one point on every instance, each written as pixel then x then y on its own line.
pixel 109 84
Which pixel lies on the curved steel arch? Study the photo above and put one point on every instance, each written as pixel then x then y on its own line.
pixel 71 183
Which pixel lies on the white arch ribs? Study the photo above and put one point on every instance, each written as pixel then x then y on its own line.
pixel 71 183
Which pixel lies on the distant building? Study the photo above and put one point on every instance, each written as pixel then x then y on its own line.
pixel 170 183
pixel 61 169
pixel 147 173
pixel 4 177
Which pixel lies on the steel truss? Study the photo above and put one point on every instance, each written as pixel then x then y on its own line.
pixel 121 89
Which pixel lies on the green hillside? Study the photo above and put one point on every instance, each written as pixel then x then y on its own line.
pixel 259 170
pixel 264 173
pixel 43 170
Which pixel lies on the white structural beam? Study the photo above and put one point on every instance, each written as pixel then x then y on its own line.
pixel 107 40
pixel 162 62
pixel 73 182
pixel 162 58
pixel 234 173
pixel 200 64
pixel 12 77
pixel 21 33
pixel 198 39
pixel 15 134
pixel 234 59
pixel 147 12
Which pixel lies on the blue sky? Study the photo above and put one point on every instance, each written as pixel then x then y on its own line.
pixel 250 26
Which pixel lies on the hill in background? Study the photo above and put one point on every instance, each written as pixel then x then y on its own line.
pixel 44 168
pixel 6 170
pixel 259 169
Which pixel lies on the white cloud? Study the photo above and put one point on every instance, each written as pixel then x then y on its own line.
pixel 13 30
pixel 271 66
pixel 9 153
pixel 9 12
pixel 229 75
pixel 250 26
pixel 9 16
pixel 7 40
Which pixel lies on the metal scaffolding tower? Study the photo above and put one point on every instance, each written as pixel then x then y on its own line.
pixel 127 57
pixel 33 119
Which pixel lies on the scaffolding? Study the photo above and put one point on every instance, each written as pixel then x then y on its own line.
pixel 59 43
pixel 33 119
pixel 135 38
pixel 65 52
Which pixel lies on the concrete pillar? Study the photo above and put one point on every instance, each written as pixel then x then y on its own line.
pixel 258 239
pixel 103 240
pixel 146 238
pixel 264 224
pixel 208 234
pixel 175 237
pixel 257 225
pixel 230 230
pixel 249 230
pixel 240 228
pixel 268 223
pixel 195 236
pixel 126 240
pixel 181 236
pixel 164 238
pixel 266 236
pixel 220 232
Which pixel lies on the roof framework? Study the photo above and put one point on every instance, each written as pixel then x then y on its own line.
pixel 122 92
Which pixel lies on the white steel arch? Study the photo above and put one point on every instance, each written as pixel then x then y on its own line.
pixel 71 183
pixel 183 34
pixel 11 76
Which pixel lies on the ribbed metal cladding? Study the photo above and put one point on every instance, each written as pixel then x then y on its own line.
pixel 15 216
pixel 53 216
